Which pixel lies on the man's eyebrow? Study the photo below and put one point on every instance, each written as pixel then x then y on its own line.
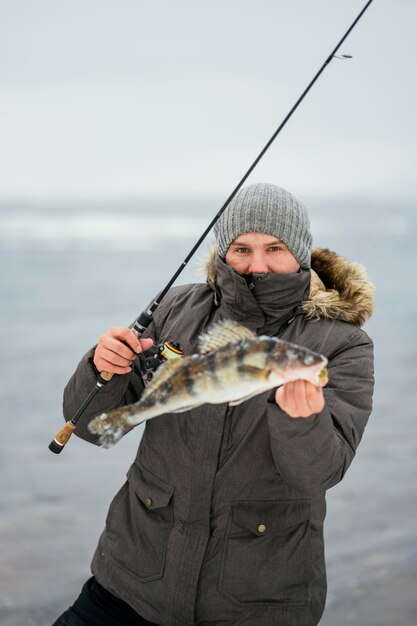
pixel 242 242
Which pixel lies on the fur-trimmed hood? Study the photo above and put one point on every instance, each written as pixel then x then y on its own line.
pixel 339 289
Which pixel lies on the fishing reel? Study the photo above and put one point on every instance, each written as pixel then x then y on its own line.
pixel 155 356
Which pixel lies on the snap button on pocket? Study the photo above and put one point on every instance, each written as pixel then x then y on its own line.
pixel 145 504
pixel 271 538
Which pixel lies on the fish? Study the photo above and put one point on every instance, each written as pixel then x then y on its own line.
pixel 232 365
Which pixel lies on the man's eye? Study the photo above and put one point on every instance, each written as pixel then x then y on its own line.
pixel 275 248
pixel 241 250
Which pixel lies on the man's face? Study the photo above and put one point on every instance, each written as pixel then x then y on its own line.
pixel 257 253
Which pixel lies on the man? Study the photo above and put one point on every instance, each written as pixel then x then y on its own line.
pixel 221 519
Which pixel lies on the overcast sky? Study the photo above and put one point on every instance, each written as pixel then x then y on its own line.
pixel 120 98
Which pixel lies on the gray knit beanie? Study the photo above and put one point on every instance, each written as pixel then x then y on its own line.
pixel 265 208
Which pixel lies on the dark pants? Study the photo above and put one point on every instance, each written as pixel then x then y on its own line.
pixel 95 606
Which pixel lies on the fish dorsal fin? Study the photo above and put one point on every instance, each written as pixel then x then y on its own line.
pixel 221 334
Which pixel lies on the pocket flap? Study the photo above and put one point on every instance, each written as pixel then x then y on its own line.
pixel 152 491
pixel 264 517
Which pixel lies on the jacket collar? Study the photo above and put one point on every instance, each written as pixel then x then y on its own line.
pixel 265 302
pixel 335 288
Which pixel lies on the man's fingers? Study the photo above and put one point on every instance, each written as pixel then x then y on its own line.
pixel 314 398
pixel 146 344
pixel 117 347
pixel 299 398
pixel 290 393
pixel 103 365
pixel 300 404
pixel 128 337
pixel 114 357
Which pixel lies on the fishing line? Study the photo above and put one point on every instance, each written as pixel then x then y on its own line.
pixel 145 318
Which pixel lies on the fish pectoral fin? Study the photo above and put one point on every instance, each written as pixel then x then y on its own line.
pixel 260 373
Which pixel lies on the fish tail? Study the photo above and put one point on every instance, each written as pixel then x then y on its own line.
pixel 109 429
pixel 113 425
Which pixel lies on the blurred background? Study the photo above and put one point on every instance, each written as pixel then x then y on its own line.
pixel 124 127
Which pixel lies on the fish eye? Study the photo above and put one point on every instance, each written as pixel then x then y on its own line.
pixel 308 359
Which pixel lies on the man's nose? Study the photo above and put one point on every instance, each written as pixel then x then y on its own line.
pixel 258 264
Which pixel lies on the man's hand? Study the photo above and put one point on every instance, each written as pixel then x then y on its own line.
pixel 117 348
pixel 300 398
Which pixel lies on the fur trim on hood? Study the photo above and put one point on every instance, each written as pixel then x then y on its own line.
pixel 339 289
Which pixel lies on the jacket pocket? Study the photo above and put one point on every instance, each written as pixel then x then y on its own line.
pixel 139 523
pixel 267 553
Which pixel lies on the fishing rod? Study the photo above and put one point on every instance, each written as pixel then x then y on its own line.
pixel 145 318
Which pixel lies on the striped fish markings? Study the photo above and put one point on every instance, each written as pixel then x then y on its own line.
pixel 232 365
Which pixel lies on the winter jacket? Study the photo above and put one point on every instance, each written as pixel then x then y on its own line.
pixel 220 521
